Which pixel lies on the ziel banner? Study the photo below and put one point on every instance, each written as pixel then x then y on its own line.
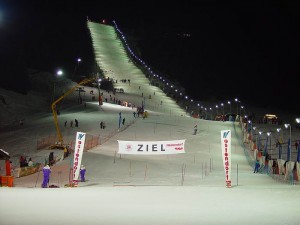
pixel 151 147
pixel 226 155
pixel 78 151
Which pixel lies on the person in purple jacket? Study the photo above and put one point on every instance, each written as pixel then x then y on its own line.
pixel 82 173
pixel 46 173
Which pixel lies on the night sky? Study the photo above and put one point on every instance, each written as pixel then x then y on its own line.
pixel 216 50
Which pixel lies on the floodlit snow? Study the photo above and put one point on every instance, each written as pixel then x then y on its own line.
pixel 176 189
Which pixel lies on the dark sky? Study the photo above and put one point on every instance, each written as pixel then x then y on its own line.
pixel 249 50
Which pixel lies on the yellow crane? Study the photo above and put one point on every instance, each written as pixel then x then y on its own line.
pixel 59 143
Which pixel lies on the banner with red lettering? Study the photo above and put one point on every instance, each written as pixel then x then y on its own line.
pixel 226 155
pixel 78 151
pixel 151 147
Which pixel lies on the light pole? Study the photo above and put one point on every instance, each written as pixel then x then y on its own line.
pixel 290 141
pixel 217 109
pixel 254 128
pixel 242 107
pixel 58 74
pixel 99 92
pixel 280 134
pixel 222 107
pixel 266 147
pixel 237 106
pixel 250 128
pixel 78 61
pixel 259 140
pixel 279 142
pixel 229 103
pixel 298 122
pixel 211 113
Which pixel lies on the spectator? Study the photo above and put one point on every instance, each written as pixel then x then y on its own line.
pixel 46 173
pixel 66 152
pixel 30 162
pixel 82 173
pixel 51 158
pixel 256 166
pixel 23 161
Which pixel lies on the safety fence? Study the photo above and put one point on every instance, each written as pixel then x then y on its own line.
pixel 281 170
pixel 91 141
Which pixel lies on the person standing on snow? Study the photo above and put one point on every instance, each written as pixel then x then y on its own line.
pixel 82 173
pixel 195 129
pixel 46 173
pixel 256 167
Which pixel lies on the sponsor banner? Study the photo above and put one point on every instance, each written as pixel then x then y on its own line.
pixel 78 151
pixel 151 147
pixel 226 155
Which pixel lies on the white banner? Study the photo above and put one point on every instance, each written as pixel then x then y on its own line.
pixel 151 147
pixel 226 154
pixel 78 151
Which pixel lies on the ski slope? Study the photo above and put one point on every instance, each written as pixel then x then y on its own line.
pixel 174 189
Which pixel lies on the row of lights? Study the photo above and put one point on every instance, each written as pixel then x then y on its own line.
pixel 287 125
pixel 171 85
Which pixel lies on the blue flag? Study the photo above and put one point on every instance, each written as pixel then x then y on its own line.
pixel 288 157
pixel 298 154
pixel 266 148
pixel 279 151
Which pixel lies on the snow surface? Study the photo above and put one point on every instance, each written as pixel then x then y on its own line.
pixel 133 189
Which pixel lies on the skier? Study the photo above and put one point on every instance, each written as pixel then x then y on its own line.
pixel 195 129
pixel 82 173
pixel 256 167
pixel 76 123
pixel 46 173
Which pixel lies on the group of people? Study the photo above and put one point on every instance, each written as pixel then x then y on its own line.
pixel 102 125
pixel 47 171
pixel 23 161
pixel 71 123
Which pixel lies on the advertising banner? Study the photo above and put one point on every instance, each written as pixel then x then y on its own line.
pixel 151 147
pixel 78 151
pixel 226 155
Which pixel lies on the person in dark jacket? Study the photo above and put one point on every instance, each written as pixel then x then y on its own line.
pixel 195 129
